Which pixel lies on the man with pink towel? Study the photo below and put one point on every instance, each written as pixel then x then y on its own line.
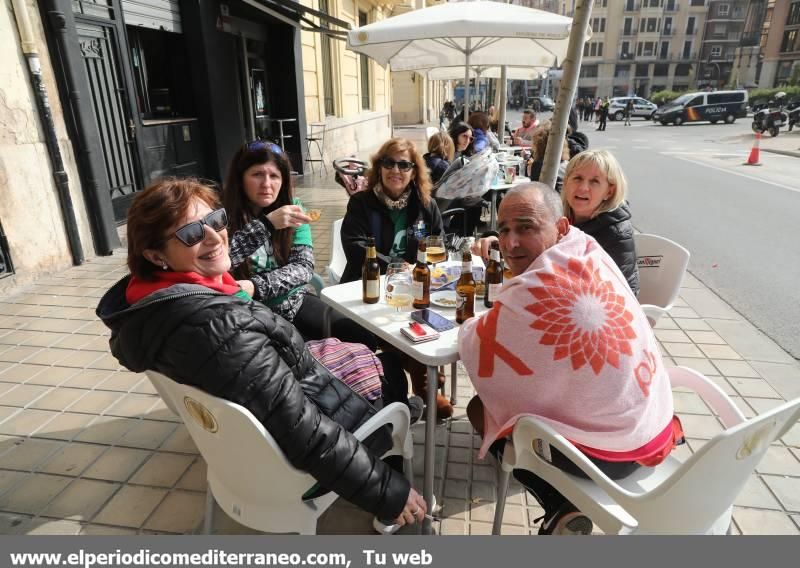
pixel 566 341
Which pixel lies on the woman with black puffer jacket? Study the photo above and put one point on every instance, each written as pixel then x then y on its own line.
pixel 182 314
pixel 594 201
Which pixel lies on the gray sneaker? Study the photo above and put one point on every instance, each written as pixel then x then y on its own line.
pixel 567 520
pixel 416 408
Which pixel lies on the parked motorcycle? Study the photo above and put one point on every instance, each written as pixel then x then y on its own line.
pixel 771 119
pixel 794 117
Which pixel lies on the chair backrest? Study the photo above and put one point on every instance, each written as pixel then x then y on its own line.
pixel 662 264
pixel 338 259
pixel 706 485
pixel 430 131
pixel 248 473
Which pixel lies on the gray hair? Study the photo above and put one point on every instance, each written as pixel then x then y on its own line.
pixel 551 199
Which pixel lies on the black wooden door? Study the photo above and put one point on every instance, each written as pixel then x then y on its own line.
pixel 100 51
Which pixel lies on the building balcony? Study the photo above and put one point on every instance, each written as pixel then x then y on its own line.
pixel 631 7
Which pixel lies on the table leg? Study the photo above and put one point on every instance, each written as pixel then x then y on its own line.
pixel 430 443
pixel 493 212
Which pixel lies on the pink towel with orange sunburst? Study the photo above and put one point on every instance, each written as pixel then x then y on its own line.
pixel 566 341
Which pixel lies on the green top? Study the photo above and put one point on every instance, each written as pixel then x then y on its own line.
pixel 399 218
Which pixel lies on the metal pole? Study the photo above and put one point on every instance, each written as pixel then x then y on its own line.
pixel 501 115
pixel 48 126
pixel 569 83
pixel 466 81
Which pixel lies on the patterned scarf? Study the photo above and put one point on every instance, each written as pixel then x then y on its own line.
pixel 399 203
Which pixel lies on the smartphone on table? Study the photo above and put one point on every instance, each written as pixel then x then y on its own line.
pixel 431 318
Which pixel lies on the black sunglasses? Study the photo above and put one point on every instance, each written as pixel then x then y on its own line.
pixel 402 165
pixel 256 145
pixel 192 233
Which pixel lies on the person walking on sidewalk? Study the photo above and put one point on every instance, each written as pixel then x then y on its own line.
pixel 603 113
pixel 628 112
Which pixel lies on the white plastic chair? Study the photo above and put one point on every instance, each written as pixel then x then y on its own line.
pixel 430 131
pixel 338 259
pixel 693 497
pixel 662 264
pixel 248 474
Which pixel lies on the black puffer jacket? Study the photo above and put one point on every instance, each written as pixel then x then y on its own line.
pixel 242 352
pixel 366 216
pixel 436 166
pixel 613 230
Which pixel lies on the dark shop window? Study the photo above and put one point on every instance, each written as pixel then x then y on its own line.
pixel 161 72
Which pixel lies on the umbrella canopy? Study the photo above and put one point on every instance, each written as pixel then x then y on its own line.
pixel 493 72
pixel 489 33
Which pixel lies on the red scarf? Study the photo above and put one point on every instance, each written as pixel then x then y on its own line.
pixel 138 288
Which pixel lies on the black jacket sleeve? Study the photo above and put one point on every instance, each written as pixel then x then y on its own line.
pixel 252 357
pixel 355 230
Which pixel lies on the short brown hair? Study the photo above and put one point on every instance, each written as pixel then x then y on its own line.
pixel 539 142
pixel 395 146
pixel 479 120
pixel 154 211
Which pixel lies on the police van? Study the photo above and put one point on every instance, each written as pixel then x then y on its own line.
pixel 711 106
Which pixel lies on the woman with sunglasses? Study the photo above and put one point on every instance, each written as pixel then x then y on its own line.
pixel 271 248
pixel 182 314
pixel 398 211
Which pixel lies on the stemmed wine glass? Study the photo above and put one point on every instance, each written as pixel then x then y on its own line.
pixel 398 287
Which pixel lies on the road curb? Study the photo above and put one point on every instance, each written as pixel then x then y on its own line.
pixel 782 152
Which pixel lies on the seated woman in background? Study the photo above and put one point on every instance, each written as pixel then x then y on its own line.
pixel 538 148
pixel 271 248
pixel 594 197
pixel 461 134
pixel 440 153
pixel 180 313
pixel 398 211
pixel 483 137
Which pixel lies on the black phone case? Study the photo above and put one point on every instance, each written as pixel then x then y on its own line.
pixel 417 316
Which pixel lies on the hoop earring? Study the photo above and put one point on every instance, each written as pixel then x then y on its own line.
pixel 164 267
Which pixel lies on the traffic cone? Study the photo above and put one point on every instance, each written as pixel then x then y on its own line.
pixel 752 159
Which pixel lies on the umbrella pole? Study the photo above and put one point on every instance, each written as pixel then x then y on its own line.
pixel 466 81
pixel 566 92
pixel 501 115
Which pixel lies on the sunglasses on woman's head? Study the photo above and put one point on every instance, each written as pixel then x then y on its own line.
pixel 402 165
pixel 192 233
pixel 256 145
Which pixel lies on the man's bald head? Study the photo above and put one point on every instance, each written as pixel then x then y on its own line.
pixel 531 220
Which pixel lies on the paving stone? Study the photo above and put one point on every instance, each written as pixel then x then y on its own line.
pixel 117 464
pixel 762 405
pixel 792 437
pixel 25 421
pixel 453 527
pixel 666 323
pixel 692 324
pixel 787 489
pixel 132 406
pixel 81 500
pixel 758 388
pixel 683 350
pixel 742 405
pixel 719 352
pixel 28 453
pixel 690 403
pixel 58 399
pixel 53 376
pixel 703 366
pixel 181 512
pixel 755 494
pixel 456 488
pixel 755 521
pixel 105 429
pixel 23 395
pixel 699 426
pixel 672 335
pixel 64 426
pixel 13 523
pixel 131 506
pixel 748 341
pixel 779 461
pixel 683 313
pixel 195 477
pixel 104 530
pixel 147 434
pixel 162 470
pixel 708 337
pixel 73 459
pixel 33 493
pixel 785 379
pixel 736 369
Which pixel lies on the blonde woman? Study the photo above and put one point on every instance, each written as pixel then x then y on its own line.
pixel 594 197
pixel 440 153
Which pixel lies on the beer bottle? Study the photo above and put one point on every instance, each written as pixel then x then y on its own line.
pixel 371 275
pixel 421 279
pixel 494 276
pixel 465 289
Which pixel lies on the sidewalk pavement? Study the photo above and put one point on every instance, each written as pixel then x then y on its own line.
pixel 787 143
pixel 87 447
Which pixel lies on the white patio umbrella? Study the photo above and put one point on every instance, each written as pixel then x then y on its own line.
pixel 484 72
pixel 465 34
